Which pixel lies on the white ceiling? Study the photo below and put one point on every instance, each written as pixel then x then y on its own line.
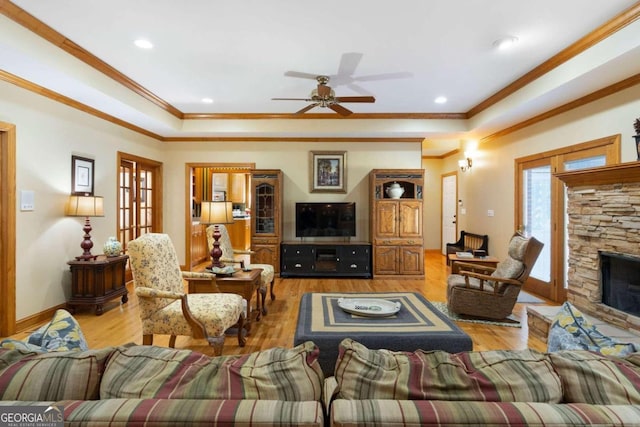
pixel 404 53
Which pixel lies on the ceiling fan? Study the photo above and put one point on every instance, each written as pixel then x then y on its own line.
pixel 324 96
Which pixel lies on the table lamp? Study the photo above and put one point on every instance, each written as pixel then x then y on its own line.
pixel 86 206
pixel 216 213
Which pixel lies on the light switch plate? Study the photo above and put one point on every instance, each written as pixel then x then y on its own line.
pixel 26 200
pixel 490 212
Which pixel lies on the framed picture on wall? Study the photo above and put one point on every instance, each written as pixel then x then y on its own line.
pixel 328 171
pixel 82 176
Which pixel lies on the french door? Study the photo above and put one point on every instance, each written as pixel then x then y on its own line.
pixel 139 197
pixel 540 207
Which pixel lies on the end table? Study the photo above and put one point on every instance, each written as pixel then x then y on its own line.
pixel 97 281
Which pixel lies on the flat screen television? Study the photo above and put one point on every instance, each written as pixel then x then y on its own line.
pixel 326 219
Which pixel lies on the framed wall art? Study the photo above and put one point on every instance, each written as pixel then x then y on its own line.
pixel 328 171
pixel 81 176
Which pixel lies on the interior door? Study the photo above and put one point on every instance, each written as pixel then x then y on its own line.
pixel 449 210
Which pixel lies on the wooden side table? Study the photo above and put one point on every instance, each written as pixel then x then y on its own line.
pixel 244 283
pixel 488 261
pixel 95 282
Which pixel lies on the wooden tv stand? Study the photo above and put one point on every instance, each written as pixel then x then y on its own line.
pixel 330 259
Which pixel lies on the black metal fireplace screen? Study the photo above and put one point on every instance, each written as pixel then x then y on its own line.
pixel 620 282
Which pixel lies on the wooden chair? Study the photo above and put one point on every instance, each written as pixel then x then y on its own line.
pixel 468 242
pixel 267 277
pixel 166 309
pixel 491 292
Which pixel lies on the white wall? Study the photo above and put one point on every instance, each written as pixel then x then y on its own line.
pixel 293 159
pixel 47 135
pixel 490 183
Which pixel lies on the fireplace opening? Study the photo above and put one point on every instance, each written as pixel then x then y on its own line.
pixel 620 282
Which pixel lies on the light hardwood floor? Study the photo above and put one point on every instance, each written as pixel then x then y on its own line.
pixel 120 323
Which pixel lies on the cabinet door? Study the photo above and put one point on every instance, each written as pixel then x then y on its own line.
pixel 410 213
pixel 386 259
pixel 237 192
pixel 411 260
pixel 386 219
pixel 266 207
pixel 266 254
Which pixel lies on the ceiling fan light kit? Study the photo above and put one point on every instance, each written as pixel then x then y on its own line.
pixel 323 96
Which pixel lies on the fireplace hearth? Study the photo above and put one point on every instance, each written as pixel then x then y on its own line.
pixel 620 282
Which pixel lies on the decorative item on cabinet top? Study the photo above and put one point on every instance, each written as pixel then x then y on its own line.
pixel 395 190
pixel 112 247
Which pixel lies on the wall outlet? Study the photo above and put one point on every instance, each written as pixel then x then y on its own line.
pixel 463 211
pixel 490 212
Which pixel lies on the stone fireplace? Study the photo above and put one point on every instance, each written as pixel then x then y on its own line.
pixel 603 206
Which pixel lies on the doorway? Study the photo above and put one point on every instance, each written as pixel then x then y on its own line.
pixel 7 229
pixel 449 210
pixel 200 184
pixel 541 211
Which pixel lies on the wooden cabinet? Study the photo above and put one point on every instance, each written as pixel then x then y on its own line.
pixel 97 281
pixel 240 233
pixel 326 259
pixel 396 223
pixel 266 217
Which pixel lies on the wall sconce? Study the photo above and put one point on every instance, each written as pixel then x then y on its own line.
pixel 465 164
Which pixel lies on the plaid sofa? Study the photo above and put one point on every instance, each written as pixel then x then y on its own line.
pixel 499 388
pixel 154 386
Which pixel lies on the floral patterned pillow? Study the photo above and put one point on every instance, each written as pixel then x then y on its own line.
pixel 570 330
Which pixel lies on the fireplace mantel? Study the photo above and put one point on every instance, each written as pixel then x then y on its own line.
pixel 612 174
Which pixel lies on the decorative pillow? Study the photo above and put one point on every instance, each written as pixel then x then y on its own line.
pixel 518 247
pixel 570 330
pixel 598 379
pixel 495 376
pixel 11 344
pixel 61 334
pixel 55 376
pixel 155 372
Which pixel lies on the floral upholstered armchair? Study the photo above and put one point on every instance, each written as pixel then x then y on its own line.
pixel 492 292
pixel 166 309
pixel 228 256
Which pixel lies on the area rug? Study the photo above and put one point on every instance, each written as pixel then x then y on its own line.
pixel 442 307
pixel 526 298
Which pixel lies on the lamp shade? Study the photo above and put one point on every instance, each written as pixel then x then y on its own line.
pixel 85 206
pixel 216 212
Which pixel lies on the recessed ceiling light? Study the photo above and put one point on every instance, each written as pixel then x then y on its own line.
pixel 440 100
pixel 143 44
pixel 505 42
pixel 207 100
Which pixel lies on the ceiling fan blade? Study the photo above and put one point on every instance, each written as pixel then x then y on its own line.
pixel 307 108
pixel 324 90
pixel 300 75
pixel 355 99
pixel 340 109
pixel 291 99
pixel 348 63
pixel 359 89
pixel 384 76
